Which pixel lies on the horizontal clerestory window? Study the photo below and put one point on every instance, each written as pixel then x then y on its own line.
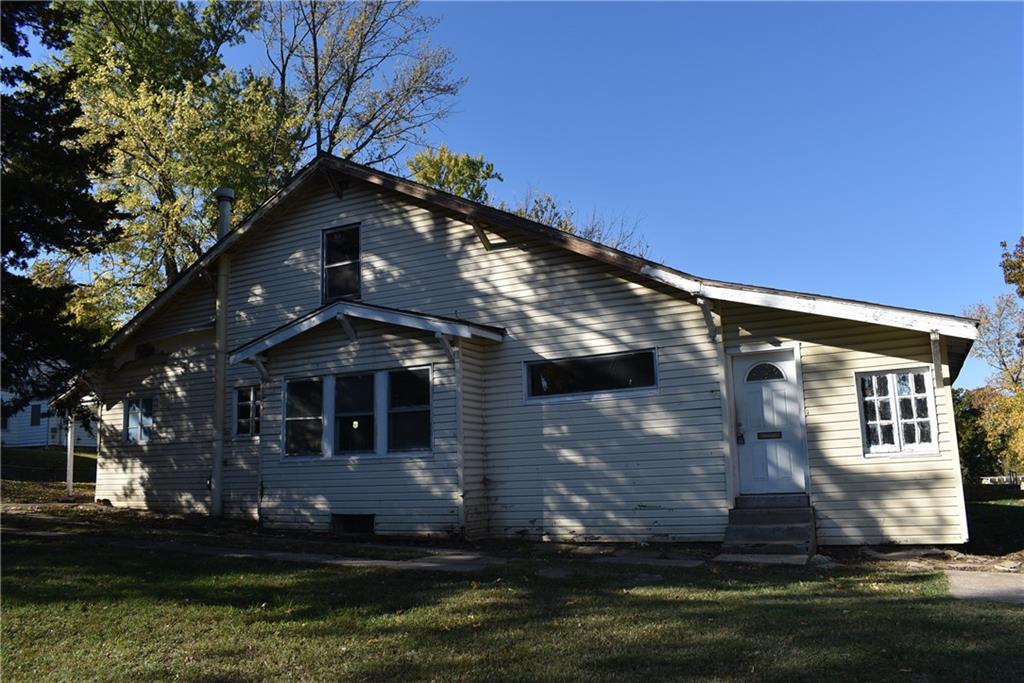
pixel 897 411
pixel 591 375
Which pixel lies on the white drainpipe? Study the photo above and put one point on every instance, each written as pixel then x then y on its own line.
pixel 225 198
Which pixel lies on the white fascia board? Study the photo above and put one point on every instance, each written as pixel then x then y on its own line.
pixel 877 314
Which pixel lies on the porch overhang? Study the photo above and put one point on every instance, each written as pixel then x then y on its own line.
pixel 345 311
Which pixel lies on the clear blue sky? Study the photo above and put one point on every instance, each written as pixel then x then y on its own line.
pixel 871 150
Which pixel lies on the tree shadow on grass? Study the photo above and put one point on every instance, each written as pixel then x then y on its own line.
pixel 601 623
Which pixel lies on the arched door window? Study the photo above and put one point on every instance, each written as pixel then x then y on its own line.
pixel 764 372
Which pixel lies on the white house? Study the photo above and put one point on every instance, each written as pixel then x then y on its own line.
pixel 401 360
pixel 37 425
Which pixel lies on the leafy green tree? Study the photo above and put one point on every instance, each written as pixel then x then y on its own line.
pixel 48 167
pixel 149 75
pixel 459 174
pixel 1013 267
pixel 979 457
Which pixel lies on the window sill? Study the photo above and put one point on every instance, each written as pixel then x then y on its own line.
pixel 905 455
pixel 355 458
pixel 586 398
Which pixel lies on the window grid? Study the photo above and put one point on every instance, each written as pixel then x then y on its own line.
pixel 332 263
pixel 138 420
pixel 897 413
pixel 303 417
pixel 409 424
pixel 354 422
pixel 248 409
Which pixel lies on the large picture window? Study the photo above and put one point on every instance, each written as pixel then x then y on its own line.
pixel 341 263
pixel 409 410
pixel 591 374
pixel 138 420
pixel 247 411
pixel 897 411
pixel 354 426
pixel 303 417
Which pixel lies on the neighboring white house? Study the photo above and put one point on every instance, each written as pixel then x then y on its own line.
pixel 410 362
pixel 37 425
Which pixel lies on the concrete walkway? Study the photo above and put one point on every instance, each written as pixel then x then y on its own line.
pixel 988 586
pixel 443 561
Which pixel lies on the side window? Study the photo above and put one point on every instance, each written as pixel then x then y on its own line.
pixel 138 420
pixel 897 411
pixel 37 415
pixel 409 410
pixel 247 411
pixel 340 257
pixel 303 417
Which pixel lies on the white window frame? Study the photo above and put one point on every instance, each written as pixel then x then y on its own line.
pixel 128 407
pixel 594 395
pixel 386 404
pixel 252 401
pixel 381 395
pixel 324 265
pixel 899 447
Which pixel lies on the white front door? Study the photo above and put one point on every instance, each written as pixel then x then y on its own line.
pixel 769 423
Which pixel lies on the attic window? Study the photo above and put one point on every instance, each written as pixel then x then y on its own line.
pixel 341 263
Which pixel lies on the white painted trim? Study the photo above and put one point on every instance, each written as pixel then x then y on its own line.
pixel 931 451
pixel 348 309
pixel 732 487
pixel 936 345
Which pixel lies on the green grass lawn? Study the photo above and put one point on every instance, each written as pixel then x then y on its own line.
pixel 15 491
pixel 75 611
pixel 45 464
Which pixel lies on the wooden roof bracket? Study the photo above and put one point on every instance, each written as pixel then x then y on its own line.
pixel 481 234
pixel 936 338
pixel 446 345
pixel 337 186
pixel 260 363
pixel 709 320
pixel 350 329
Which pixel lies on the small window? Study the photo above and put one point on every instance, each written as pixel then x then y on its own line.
pixel 765 372
pixel 3 422
pixel 593 374
pixel 341 263
pixel 37 415
pixel 303 417
pixel 247 411
pixel 409 410
pixel 138 413
pixel 354 429
pixel 897 414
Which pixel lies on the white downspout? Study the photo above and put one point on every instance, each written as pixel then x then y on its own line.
pixel 225 198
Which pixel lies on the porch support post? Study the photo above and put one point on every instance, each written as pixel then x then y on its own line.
pixel 71 452
pixel 728 410
pixel 709 318
pixel 940 380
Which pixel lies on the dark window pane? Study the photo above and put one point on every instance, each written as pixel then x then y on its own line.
pixel 926 432
pixel 243 426
pixel 353 433
pixel 909 433
pixel 409 388
pixel 409 431
pixel 922 407
pixel 342 280
pixel 244 395
pixel 305 398
pixel 256 424
pixel 585 375
pixel 882 384
pixel 763 372
pixel 872 435
pixel 870 413
pixel 867 387
pixel 243 411
pixel 919 383
pixel 302 437
pixel 341 245
pixel 884 410
pixel 888 436
pixel 906 409
pixel 353 394
pixel 37 413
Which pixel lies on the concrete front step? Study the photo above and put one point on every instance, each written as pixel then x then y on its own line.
pixel 796 515
pixel 774 500
pixel 767 533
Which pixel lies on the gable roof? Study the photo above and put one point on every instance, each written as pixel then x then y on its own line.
pixel 481 215
pixel 438 324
